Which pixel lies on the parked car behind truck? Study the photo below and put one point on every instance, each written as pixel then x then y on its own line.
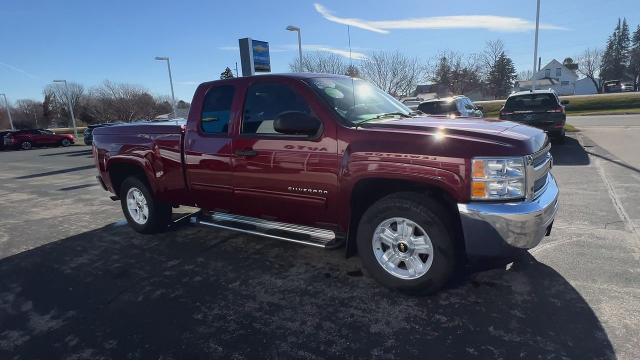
pixel 540 108
pixel 451 106
pixel 27 139
pixel 326 160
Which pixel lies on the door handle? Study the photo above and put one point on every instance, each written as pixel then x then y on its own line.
pixel 246 152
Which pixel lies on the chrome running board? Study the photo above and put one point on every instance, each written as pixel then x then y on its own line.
pixel 271 229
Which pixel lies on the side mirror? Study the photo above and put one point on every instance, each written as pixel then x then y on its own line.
pixel 479 107
pixel 296 123
pixel 564 102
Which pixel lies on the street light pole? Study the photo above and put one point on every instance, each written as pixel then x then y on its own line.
pixel 173 98
pixel 535 49
pixel 73 118
pixel 8 111
pixel 297 29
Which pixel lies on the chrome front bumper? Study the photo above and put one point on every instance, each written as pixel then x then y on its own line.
pixel 495 229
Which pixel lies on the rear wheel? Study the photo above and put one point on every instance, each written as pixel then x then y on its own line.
pixel 404 243
pixel 143 212
pixel 26 145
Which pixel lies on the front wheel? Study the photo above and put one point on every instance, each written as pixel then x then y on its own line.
pixel 65 142
pixel 144 213
pixel 404 243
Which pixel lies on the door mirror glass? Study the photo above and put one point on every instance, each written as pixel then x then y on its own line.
pixel 296 123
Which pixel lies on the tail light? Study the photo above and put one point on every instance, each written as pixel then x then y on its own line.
pixel 557 110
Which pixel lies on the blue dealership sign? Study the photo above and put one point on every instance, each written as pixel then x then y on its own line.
pixel 261 60
pixel 254 56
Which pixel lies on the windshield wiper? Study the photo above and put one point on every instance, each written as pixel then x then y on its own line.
pixel 382 116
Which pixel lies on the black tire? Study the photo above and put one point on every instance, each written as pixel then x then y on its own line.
pixel 26 145
pixel 65 142
pixel 159 214
pixel 428 214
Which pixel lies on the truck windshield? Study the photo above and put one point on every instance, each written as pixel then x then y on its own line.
pixel 357 100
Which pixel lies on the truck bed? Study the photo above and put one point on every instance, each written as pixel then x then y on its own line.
pixel 156 147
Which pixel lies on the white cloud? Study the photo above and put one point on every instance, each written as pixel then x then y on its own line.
pixel 362 24
pixel 11 67
pixel 486 22
pixel 342 52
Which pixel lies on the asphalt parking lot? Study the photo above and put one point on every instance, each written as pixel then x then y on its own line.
pixel 77 283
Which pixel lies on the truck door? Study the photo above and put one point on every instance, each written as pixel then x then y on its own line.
pixel 207 148
pixel 281 177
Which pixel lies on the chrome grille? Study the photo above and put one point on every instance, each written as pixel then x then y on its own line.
pixel 537 170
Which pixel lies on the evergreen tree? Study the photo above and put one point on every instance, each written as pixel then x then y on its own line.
pixel 226 74
pixel 615 59
pixel 501 76
pixel 634 58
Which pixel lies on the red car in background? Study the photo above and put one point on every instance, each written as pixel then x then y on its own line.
pixel 27 139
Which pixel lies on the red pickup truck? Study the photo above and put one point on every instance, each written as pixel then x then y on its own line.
pixel 327 160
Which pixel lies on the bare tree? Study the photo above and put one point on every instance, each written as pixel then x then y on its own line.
pixel 66 95
pixel 490 56
pixel 124 102
pixel 459 73
pixel 525 75
pixel 393 72
pixel 28 114
pixel 320 62
pixel 589 65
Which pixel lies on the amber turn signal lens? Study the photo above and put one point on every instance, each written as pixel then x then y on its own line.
pixel 477 169
pixel 478 189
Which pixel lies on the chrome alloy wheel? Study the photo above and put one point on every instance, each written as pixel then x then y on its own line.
pixel 137 206
pixel 402 248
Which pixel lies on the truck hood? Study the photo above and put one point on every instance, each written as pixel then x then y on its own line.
pixel 521 139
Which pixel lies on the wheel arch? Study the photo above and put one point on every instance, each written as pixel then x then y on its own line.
pixel 367 191
pixel 121 168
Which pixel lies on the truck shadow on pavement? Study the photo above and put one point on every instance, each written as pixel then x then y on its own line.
pixel 569 153
pixel 197 293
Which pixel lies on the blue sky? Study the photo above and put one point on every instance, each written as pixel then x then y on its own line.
pixel 89 41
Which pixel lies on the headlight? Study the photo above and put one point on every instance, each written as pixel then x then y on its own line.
pixel 498 179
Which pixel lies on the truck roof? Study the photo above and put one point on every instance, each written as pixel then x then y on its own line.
pixel 299 76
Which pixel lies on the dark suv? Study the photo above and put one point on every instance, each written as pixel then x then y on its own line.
pixel 538 108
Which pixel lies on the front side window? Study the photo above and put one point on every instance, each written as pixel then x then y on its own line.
pixel 263 104
pixel 216 110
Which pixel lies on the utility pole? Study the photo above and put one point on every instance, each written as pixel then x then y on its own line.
pixel 73 118
pixel 535 49
pixel 8 111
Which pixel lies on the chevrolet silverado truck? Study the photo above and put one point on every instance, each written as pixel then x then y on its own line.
pixel 327 160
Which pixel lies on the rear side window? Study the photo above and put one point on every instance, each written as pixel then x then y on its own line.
pixel 263 104
pixel 216 110
pixel 531 102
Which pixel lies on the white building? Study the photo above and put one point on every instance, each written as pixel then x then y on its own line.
pixel 559 78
